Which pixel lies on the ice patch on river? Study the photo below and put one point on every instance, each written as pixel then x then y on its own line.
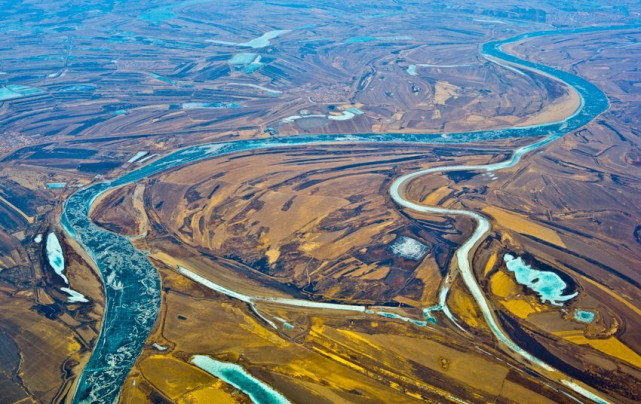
pixel 408 248
pixel 55 256
pixel 259 392
pixel 547 284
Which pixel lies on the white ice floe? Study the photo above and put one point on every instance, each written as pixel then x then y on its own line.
pixel 74 297
pixel 147 158
pixel 138 156
pixel 38 238
pixel 256 43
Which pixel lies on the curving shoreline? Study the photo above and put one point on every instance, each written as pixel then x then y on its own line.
pixel 132 284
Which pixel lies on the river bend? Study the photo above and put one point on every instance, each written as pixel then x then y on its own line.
pixel 132 284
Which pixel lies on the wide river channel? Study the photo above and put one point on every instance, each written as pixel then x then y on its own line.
pixel 132 284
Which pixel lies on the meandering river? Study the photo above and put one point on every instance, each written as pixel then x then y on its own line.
pixel 132 285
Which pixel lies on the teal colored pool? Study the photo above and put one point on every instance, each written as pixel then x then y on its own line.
pixel 13 91
pixel 246 61
pixel 259 392
pixel 584 316
pixel 242 58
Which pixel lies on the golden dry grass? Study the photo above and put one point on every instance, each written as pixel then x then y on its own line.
pixel 521 224
pixel 490 264
pixel 463 305
pixel 502 284
pixel 433 198
pixel 263 212
pixel 178 380
pixel 610 346
pixel 519 307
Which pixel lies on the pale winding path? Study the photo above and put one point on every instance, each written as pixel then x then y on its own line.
pixel 132 286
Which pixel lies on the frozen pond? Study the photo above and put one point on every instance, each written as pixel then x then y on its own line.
pixel 242 58
pixel 249 62
pixel 548 285
pixel 258 391
pixel 13 91
pixel 55 257
pixel 256 43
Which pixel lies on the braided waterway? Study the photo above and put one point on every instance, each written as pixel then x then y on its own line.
pixel 132 284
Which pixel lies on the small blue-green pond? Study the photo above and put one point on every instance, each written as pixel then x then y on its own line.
pixel 584 316
pixel 14 91
pixel 259 392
